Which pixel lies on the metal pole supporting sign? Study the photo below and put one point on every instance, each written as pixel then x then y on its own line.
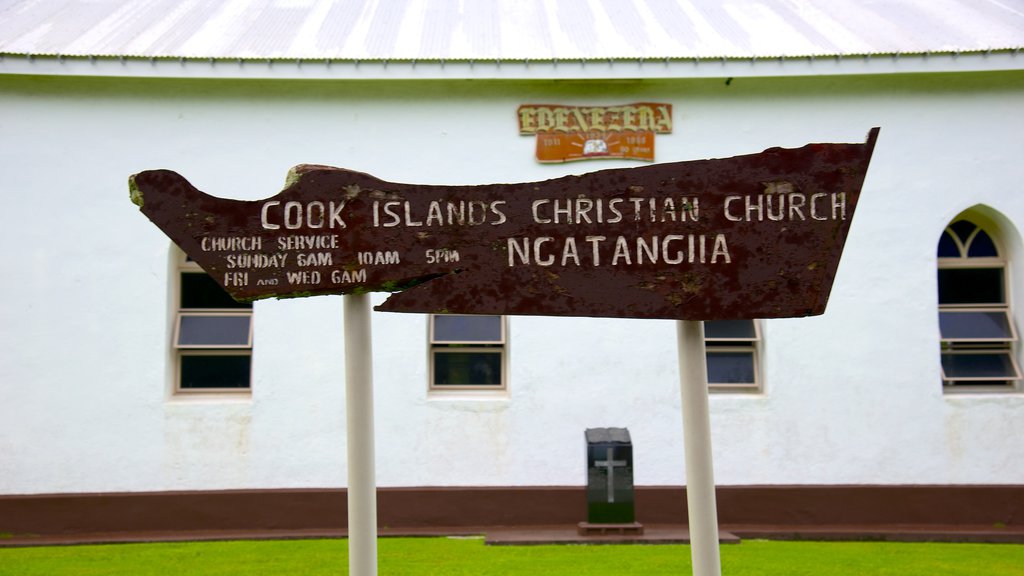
pixel 362 483
pixel 700 478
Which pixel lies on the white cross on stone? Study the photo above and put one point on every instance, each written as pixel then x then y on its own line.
pixel 611 465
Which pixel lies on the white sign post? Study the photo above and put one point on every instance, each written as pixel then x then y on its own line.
pixel 700 478
pixel 362 482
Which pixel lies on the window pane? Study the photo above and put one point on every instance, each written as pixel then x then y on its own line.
pixel 730 330
pixel 198 290
pixel 453 328
pixel 467 368
pixel 208 330
pixel 215 371
pixel 975 325
pixel 730 367
pixel 963 229
pixel 947 246
pixel 982 246
pixel 971 286
pixel 992 365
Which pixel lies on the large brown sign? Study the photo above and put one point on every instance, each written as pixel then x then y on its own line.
pixel 755 236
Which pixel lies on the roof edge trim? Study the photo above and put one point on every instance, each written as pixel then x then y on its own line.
pixel 413 69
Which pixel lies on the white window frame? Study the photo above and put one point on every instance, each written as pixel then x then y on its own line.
pixel 436 346
pixel 964 346
pixel 749 345
pixel 187 266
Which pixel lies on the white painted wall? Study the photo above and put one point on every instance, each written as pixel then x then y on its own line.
pixel 850 397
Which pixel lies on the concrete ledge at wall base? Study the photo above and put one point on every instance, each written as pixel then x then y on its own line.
pixel 875 512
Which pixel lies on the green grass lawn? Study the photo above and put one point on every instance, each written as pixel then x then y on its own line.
pixel 419 556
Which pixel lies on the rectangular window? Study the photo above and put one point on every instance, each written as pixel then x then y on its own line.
pixel 212 335
pixel 731 351
pixel 467 352
pixel 976 330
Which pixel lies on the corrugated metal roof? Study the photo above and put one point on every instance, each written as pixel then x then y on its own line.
pixel 506 30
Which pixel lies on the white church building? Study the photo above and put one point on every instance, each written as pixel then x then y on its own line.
pixel 901 405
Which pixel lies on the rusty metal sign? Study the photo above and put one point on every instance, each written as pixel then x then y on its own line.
pixel 754 236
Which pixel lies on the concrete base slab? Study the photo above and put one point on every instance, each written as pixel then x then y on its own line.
pixel 588 529
pixel 560 534
pixel 652 534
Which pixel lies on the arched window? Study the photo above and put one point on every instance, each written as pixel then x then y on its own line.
pixel 975 323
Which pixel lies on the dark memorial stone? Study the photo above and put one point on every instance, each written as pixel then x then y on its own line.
pixel 754 236
pixel 610 493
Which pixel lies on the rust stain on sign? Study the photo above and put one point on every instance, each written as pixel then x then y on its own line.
pixel 754 236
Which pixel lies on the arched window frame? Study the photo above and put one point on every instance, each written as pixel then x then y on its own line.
pixel 977 334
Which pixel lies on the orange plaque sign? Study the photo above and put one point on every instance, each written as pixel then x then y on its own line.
pixel 566 133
